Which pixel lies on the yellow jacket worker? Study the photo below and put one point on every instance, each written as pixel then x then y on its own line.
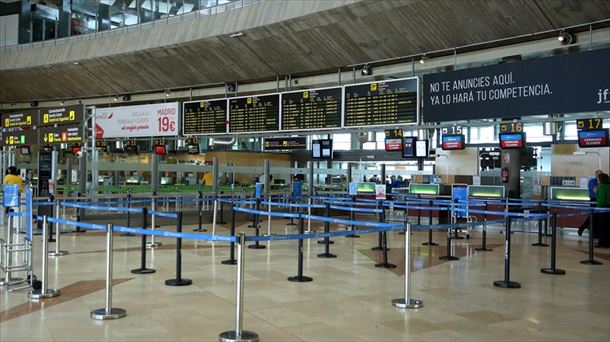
pixel 12 177
pixel 208 179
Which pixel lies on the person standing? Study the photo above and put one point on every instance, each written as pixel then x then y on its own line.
pixel 12 177
pixel 601 219
pixel 593 182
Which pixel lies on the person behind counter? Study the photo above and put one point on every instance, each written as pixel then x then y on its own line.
pixel 600 220
pixel 12 177
pixel 593 182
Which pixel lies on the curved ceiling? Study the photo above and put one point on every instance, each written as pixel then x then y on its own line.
pixel 351 33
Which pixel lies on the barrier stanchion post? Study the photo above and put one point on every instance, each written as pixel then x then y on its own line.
pixel 78 215
pixel 300 278
pixel 143 269
pixel 591 260
pixel 256 244
pixel 449 257
pixel 385 263
pixel 153 222
pixel 553 269
pixel 540 243
pixel 239 335
pixel 200 213
pixel 483 247
pixel 326 240
pixel 255 216
pixel 108 312
pixel 54 213
pixel 44 292
pixel 231 260
pixel 352 217
pixel 222 212
pixel 407 302
pixel 128 214
pixel 379 246
pixel 291 223
pixel 57 252
pixel 506 282
pixel 178 281
pixel 429 242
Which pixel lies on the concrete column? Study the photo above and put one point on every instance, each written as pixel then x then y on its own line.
pixel 511 159
pixel 382 174
pixel 215 175
pixel 310 178
pixel 154 173
pixel 266 176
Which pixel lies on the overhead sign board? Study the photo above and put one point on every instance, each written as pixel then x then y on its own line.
pixel 21 119
pixel 154 120
pixel 204 117
pixel 68 134
pixel 62 115
pixel 312 109
pixel 576 82
pixel 289 143
pixel 382 103
pixel 259 113
pixel 19 137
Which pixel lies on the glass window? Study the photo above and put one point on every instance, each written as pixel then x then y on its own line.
pixel 535 133
pixel 342 142
pixel 569 130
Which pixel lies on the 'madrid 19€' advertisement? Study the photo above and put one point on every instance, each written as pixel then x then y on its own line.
pixel 155 120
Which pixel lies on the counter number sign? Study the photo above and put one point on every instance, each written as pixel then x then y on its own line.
pixel 589 124
pixel 513 127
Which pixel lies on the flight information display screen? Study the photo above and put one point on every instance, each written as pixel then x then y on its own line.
pixel 453 142
pixel 512 140
pixel 312 109
pixel 204 117
pixel 254 114
pixel 593 138
pixel 381 103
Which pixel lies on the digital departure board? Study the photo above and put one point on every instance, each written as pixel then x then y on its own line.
pixel 312 109
pixel 593 138
pixel 259 113
pixel 204 117
pixel 381 103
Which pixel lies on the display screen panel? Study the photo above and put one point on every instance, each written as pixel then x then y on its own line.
pixel 254 114
pixel 381 103
pixel 204 117
pixel 453 142
pixel 322 149
pixel 512 140
pixel 593 138
pixel 408 147
pixel 312 109
pixel 421 148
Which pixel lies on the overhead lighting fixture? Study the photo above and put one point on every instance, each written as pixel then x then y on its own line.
pixel 126 97
pixel 116 99
pixel 423 59
pixel 236 34
pixel 76 62
pixel 61 103
pixel 34 104
pixel 167 92
pixel 366 70
pixel 565 38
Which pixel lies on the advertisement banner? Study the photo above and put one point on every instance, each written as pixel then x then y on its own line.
pixel 155 120
pixel 571 83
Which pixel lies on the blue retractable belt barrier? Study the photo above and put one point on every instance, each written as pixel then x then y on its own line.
pixel 322 235
pixel 393 204
pixel 577 207
pixel 16 214
pixel 265 213
pixel 164 233
pixel 503 213
pixel 360 210
pixel 74 223
pixel 293 205
pixel 163 214
pixel 101 208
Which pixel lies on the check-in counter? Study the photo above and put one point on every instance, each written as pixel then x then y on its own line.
pixel 489 193
pixel 572 195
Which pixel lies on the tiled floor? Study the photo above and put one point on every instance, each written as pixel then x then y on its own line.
pixel 349 299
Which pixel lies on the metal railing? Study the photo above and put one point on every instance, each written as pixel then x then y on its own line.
pixel 136 27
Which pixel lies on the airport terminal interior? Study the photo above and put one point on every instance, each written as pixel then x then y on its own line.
pixel 305 170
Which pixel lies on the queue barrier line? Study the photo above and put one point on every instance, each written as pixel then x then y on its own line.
pixel 85 225
pixel 100 208
pixel 236 201
pixel 168 234
pixel 163 214
pixel 587 208
pixel 265 213
pixel 502 213
pixel 400 206
pixel 16 214
pixel 359 210
pixel 322 235
pixel 294 205
pixel 358 204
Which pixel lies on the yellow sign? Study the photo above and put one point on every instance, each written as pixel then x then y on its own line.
pixel 305 94
pixel 249 100
pixel 28 120
pixel 50 137
pixel 284 143
pixel 45 118
pixel 201 104
pixel 373 86
pixel 7 122
pixel 72 114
